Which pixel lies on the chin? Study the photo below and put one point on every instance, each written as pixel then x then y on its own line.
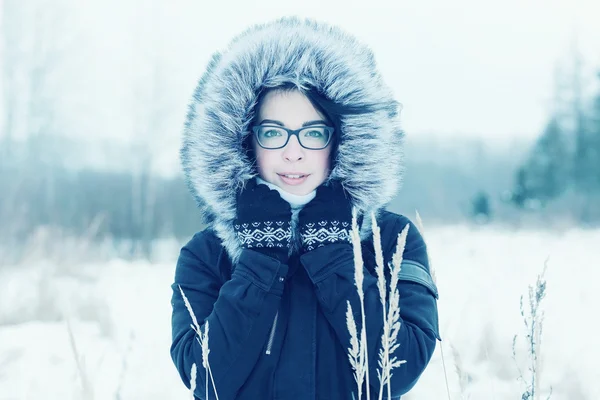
pixel 298 191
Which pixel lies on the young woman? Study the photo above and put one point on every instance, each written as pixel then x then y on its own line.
pixel 289 130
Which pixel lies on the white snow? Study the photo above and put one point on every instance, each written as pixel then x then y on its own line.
pixel 120 318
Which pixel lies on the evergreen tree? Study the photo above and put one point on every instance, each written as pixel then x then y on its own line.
pixel 545 175
pixel 481 209
pixel 589 181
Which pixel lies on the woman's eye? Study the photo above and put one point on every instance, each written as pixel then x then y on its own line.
pixel 314 133
pixel 272 133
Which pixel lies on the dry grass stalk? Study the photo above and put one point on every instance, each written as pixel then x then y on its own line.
pixel 354 349
pixel 534 321
pixel 463 377
pixel 384 352
pixel 390 301
pixel 86 383
pixel 202 339
pixel 193 382
pixel 419 223
pixel 361 368
pixel 391 313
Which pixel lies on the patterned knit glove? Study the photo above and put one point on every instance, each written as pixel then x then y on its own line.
pixel 327 219
pixel 263 221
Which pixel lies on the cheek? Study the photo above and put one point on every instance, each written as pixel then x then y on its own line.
pixel 323 161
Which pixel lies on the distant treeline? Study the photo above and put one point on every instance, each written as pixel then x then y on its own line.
pixel 95 203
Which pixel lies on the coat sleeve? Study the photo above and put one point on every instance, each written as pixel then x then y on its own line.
pixel 331 269
pixel 240 313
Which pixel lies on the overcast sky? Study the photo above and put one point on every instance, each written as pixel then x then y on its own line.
pixel 462 67
pixel 466 67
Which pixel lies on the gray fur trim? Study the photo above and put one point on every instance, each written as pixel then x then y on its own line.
pixel 308 54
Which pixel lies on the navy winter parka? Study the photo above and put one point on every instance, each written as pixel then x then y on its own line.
pixel 279 331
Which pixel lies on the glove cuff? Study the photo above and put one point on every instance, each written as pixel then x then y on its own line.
pixel 264 234
pixel 318 234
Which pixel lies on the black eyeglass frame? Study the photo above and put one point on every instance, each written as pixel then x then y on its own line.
pixel 296 133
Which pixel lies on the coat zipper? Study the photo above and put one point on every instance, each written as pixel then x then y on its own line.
pixel 272 335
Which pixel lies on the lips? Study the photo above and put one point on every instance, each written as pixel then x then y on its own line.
pixel 293 178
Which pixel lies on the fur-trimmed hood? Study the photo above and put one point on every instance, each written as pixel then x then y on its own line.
pixel 307 54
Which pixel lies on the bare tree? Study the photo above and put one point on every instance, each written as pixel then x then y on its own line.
pixel 151 107
pixel 579 129
pixel 10 41
pixel 35 37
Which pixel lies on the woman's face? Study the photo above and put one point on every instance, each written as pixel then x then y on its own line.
pixel 291 109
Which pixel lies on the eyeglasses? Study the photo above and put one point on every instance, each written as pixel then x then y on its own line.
pixel 276 137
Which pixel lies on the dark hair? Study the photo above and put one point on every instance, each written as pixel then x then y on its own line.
pixel 331 110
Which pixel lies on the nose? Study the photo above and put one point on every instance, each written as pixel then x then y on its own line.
pixel 293 151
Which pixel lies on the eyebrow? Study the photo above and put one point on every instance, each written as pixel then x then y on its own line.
pixel 307 123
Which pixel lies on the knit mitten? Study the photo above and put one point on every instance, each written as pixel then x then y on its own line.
pixel 263 221
pixel 327 219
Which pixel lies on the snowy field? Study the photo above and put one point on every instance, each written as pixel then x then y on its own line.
pixel 120 321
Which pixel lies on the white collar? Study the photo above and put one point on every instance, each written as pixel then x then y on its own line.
pixel 296 201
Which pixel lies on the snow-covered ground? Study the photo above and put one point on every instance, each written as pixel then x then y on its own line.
pixel 119 317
